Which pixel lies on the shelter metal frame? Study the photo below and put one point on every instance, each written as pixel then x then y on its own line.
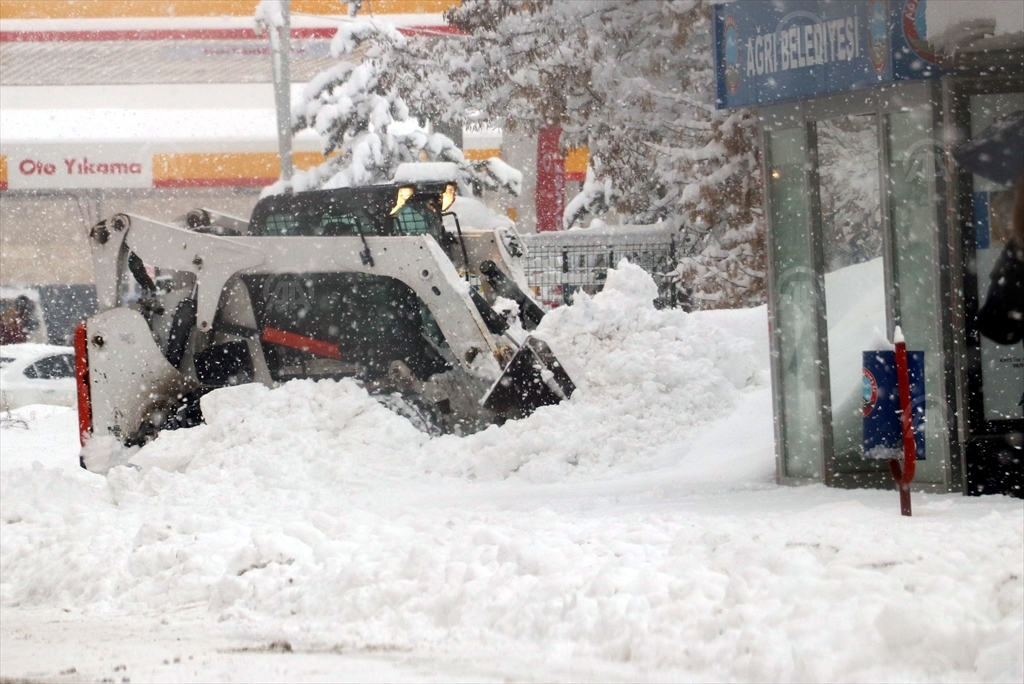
pixel 881 102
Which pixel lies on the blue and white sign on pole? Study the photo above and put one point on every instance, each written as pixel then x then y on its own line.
pixel 768 52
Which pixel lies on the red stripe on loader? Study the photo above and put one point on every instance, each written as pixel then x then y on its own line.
pixel 302 343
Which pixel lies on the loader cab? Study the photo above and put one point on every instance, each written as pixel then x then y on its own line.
pixel 386 211
pixel 368 321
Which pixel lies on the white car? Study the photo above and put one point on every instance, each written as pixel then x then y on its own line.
pixel 37 374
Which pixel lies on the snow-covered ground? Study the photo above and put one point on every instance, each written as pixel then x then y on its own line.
pixel 633 533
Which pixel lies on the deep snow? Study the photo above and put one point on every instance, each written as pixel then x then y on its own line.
pixel 633 533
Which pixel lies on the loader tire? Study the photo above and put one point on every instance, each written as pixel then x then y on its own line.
pixel 424 416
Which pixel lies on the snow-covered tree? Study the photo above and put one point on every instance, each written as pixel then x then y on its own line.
pixel 366 126
pixel 718 192
pixel 632 80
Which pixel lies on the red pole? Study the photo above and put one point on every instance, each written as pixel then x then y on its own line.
pixel 905 475
pixel 82 384
pixel 550 180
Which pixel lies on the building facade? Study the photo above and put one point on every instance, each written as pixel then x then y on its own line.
pixel 159 106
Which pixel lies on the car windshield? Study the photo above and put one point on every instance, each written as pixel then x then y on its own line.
pixel 52 368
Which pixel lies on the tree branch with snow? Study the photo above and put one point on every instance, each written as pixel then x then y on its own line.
pixel 366 127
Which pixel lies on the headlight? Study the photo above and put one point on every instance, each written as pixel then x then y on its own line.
pixel 448 198
pixel 403 196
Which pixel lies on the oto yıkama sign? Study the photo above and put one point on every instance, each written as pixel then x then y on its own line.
pixel 31 167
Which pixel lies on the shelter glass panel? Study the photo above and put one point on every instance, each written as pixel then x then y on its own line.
pixel 851 224
pixel 794 314
pixel 912 200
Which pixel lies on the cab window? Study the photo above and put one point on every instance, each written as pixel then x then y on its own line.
pixel 418 217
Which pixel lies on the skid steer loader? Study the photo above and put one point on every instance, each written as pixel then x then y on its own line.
pixel 362 282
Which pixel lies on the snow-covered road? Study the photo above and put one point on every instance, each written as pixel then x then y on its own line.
pixel 633 533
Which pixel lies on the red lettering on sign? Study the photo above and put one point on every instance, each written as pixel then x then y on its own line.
pixel 32 167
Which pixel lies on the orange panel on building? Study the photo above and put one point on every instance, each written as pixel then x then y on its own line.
pixel 229 169
pixel 481 154
pixel 576 160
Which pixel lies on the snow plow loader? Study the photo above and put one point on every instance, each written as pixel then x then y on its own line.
pixel 364 283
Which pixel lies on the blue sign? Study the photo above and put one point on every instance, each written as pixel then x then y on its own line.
pixel 883 416
pixel 767 52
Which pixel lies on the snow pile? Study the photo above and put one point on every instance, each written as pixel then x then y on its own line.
pixel 634 526
pixel 646 378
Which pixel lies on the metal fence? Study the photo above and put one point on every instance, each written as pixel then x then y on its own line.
pixel 560 264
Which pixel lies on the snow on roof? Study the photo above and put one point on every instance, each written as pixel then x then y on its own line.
pixel 31 351
pixel 601 236
pixel 110 125
pixel 482 137
pixel 425 172
pixel 977 25
pixel 1007 16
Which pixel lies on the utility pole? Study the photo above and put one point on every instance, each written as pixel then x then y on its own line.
pixel 280 52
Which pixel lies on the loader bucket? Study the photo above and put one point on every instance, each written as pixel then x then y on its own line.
pixel 533 378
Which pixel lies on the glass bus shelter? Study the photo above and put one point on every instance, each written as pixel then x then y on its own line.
pixel 872 225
